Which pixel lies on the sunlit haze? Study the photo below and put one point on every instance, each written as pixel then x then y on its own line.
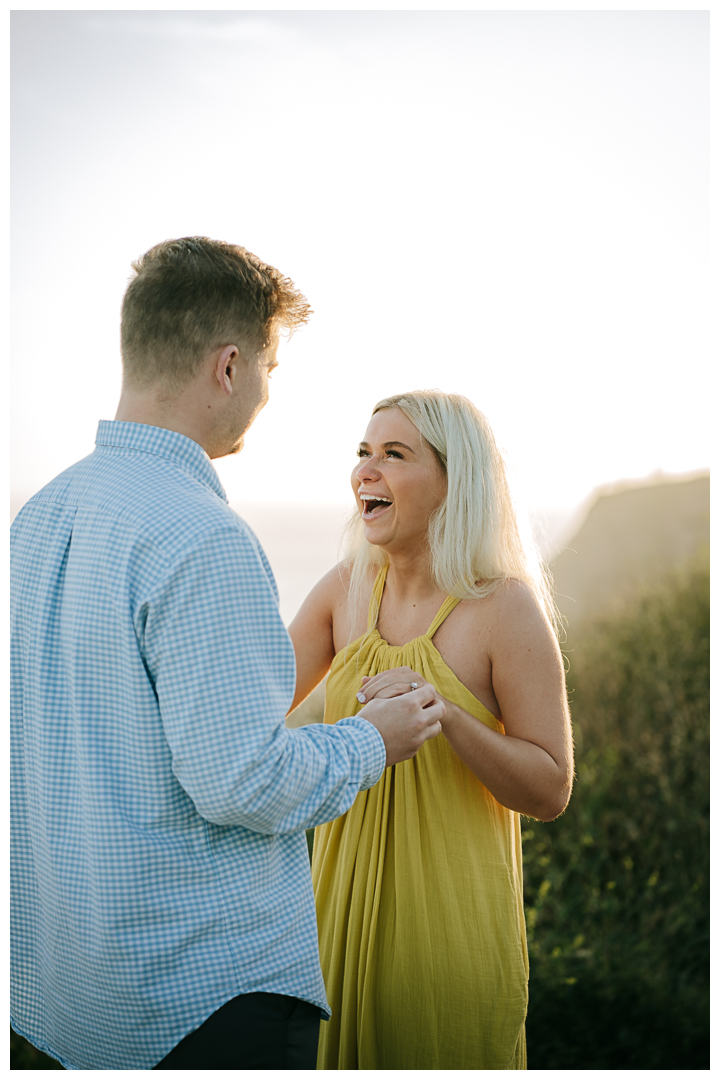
pixel 511 206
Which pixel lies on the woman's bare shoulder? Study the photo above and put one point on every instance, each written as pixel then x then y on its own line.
pixel 514 597
pixel 511 604
pixel 332 588
pixel 518 616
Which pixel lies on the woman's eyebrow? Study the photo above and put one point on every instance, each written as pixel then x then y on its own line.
pixel 395 442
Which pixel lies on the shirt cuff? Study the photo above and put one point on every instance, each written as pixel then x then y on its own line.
pixel 369 765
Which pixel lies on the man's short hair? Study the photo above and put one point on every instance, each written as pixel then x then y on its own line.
pixel 193 295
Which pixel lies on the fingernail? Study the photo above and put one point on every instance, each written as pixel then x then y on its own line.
pixel 361 698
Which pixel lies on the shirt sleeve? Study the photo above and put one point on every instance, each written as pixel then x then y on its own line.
pixel 223 669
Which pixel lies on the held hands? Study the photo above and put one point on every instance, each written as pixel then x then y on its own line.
pixel 388 684
pixel 405 717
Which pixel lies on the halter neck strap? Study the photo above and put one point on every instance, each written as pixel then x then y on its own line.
pixel 378 589
pixel 449 603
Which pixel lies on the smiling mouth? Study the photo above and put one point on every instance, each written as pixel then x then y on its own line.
pixel 374 506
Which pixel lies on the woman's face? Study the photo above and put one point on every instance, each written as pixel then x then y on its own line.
pixel 398 483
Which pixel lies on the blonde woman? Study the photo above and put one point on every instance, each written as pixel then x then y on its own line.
pixel 419 885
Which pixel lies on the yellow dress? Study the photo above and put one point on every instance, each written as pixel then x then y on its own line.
pixel 418 890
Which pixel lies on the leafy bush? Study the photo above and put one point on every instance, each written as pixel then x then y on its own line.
pixel 23 1055
pixel 616 890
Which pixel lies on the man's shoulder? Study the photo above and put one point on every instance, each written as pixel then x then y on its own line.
pixel 141 495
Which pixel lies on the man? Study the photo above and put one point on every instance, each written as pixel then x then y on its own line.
pixel 162 912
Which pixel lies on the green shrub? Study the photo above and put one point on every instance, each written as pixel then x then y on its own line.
pixel 23 1055
pixel 616 890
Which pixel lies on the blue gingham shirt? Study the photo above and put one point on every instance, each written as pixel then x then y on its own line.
pixel 159 803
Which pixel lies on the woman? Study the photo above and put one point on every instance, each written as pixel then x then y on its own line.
pixel 419 886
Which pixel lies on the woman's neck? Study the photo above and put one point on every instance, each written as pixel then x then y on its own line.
pixel 409 579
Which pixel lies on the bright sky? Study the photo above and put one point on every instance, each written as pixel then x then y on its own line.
pixel 509 205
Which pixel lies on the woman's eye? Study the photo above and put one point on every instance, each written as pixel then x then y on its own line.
pixel 388 453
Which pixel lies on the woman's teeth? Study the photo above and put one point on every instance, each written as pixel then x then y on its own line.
pixel 373 502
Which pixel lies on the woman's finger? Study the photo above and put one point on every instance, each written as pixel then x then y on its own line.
pixel 388 684
pixel 375 686
pixel 390 671
pixel 384 678
pixel 387 690
pixel 403 676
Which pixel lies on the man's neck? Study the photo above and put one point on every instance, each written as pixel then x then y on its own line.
pixel 159 409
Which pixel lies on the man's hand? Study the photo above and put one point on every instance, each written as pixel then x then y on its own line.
pixel 406 722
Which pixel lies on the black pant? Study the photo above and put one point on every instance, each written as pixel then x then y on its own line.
pixel 252 1031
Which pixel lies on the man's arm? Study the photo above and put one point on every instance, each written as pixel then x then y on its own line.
pixel 223 670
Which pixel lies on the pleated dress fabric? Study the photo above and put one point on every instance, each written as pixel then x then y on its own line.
pixel 418 889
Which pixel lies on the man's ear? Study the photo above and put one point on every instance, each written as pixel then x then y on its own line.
pixel 226 366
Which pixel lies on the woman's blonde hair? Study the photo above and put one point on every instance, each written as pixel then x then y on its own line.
pixel 476 537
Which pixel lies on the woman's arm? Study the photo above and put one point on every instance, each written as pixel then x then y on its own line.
pixel 529 768
pixel 532 764
pixel 312 634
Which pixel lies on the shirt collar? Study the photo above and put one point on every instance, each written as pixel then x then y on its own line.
pixel 147 439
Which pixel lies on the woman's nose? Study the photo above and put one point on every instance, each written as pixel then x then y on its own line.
pixel 366 470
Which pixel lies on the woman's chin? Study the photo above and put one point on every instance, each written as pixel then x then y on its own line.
pixel 376 536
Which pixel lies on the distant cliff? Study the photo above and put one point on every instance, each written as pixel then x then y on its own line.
pixel 630 536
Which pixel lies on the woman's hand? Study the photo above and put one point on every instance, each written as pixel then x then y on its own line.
pixel 388 684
